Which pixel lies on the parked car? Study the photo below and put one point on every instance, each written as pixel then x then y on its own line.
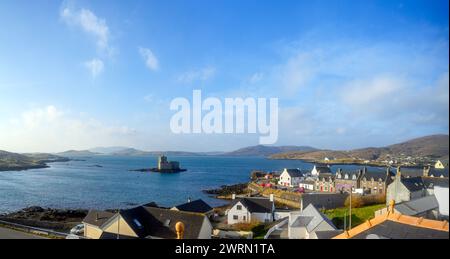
pixel 77 230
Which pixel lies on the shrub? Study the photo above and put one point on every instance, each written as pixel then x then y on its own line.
pixel 357 201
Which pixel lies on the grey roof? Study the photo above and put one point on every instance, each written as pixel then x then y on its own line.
pixel 325 176
pixel 302 221
pixel 376 175
pixel 413 184
pixel 158 222
pixel 430 182
pixel 322 169
pixel 294 172
pixel 312 218
pixel 438 172
pixel 97 217
pixel 328 234
pixel 195 206
pixel 256 204
pixel 417 206
pixel 396 230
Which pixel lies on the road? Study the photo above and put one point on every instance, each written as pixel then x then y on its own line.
pixel 6 233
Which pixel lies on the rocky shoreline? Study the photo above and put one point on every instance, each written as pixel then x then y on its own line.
pixel 227 190
pixel 56 219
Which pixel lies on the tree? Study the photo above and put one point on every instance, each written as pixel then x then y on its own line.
pixel 357 201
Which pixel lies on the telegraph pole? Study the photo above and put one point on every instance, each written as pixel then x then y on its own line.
pixel 350 219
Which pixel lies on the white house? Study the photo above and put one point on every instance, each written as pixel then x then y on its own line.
pixel 320 169
pixel 309 223
pixel 307 184
pixel 248 209
pixel 290 177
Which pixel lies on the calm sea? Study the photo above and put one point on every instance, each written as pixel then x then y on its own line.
pixel 82 184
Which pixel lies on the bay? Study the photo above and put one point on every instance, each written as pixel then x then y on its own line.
pixel 105 182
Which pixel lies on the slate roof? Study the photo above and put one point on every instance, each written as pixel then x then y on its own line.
pixel 318 217
pixel 417 206
pixel 157 222
pixel 294 172
pixel 325 176
pixel 438 172
pixel 195 206
pixel 376 175
pixel 322 169
pixel 327 234
pixel 256 204
pixel 311 218
pixel 413 184
pixel 396 230
pixel 430 182
pixel 97 217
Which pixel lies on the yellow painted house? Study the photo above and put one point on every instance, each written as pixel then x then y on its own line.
pixel 439 165
pixel 146 222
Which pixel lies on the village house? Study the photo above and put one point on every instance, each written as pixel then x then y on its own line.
pixel 410 188
pixel 251 209
pixel 393 225
pixel 325 183
pixel 146 222
pixel 441 164
pixel 307 184
pixel 346 181
pixel 375 182
pixel 308 223
pixel 320 169
pixel 197 206
pixel 290 177
pixel 435 172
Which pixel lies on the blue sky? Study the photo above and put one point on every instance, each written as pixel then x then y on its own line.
pixel 348 74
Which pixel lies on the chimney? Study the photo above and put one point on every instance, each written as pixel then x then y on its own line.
pixel 271 197
pixel 399 172
pixel 96 216
pixel 301 203
pixel 426 170
pixel 233 196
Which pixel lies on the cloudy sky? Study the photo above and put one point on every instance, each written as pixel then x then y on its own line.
pixel 348 74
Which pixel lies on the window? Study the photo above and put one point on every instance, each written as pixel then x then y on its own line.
pixel 137 223
pixel 239 207
pixel 235 217
pixel 244 218
pixel 354 177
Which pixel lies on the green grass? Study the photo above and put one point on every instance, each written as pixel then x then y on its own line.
pixel 359 215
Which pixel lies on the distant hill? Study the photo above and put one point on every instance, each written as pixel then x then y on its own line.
pixel 77 153
pixel 262 150
pixel 106 150
pixel 433 147
pixel 16 162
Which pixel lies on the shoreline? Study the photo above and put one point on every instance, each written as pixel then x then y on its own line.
pixel 347 163
pixel 41 165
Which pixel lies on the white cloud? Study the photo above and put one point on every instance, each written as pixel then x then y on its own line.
pixel 202 74
pixel 89 23
pixel 150 59
pixel 49 129
pixel 95 66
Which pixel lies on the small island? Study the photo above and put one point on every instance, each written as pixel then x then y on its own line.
pixel 164 166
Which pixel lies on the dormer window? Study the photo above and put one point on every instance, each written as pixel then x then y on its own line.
pixel 346 176
pixel 354 177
